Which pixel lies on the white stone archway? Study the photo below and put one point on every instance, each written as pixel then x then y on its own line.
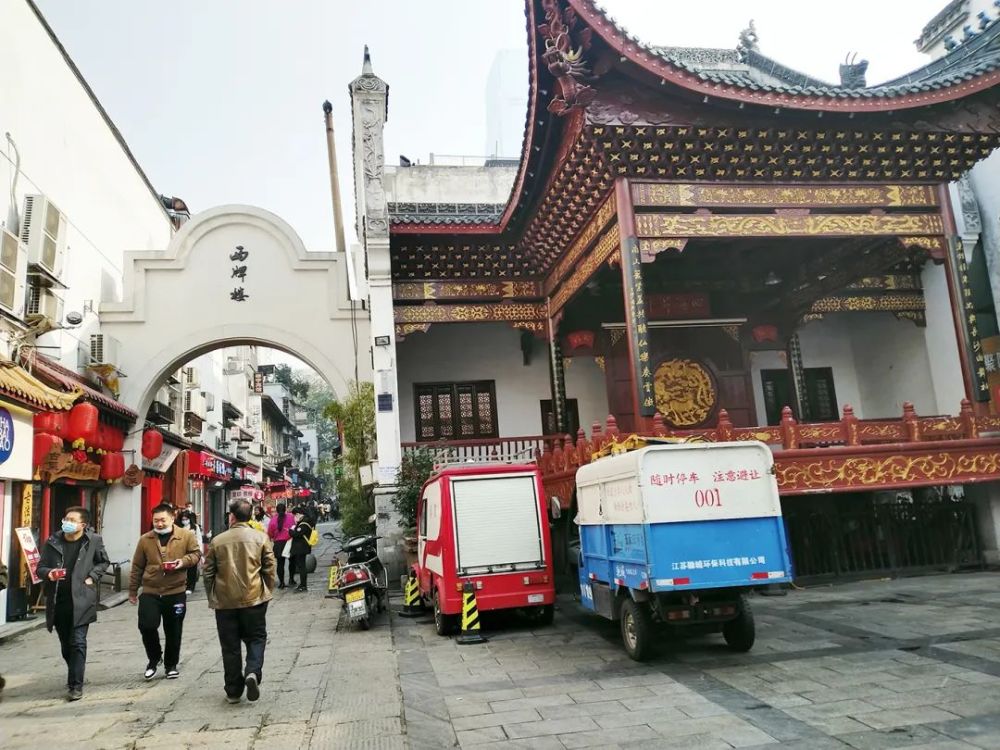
pixel 184 301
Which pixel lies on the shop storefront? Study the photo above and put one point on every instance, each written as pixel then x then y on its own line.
pixel 210 480
pixel 159 483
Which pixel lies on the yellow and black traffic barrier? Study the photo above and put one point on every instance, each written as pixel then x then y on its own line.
pixel 470 617
pixel 331 583
pixel 412 605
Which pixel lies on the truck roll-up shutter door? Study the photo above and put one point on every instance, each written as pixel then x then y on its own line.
pixel 497 524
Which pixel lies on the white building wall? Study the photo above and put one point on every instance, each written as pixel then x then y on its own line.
pixel 492 351
pixel 449 184
pixel 985 178
pixel 70 153
pixel 940 343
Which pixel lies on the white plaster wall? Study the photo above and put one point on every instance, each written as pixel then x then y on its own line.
pixel 585 381
pixel 827 343
pixel 940 343
pixel 986 185
pixel 892 366
pixel 492 351
pixel 449 184
pixel 70 154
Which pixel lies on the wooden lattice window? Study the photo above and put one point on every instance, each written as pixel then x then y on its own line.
pixel 455 411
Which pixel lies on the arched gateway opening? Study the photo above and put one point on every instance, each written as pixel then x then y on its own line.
pixel 233 275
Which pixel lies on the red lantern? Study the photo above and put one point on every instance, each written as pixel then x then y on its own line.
pixel 152 444
pixel 45 443
pixel 100 440
pixel 112 466
pixel 580 340
pixel 116 439
pixel 83 423
pixel 764 333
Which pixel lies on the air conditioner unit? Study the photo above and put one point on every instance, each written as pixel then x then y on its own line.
pixel 234 366
pixel 191 379
pixel 226 435
pixel 43 232
pixel 209 400
pixel 194 403
pixel 43 304
pixel 13 264
pixel 104 349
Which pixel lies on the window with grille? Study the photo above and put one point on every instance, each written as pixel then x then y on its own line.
pixel 455 411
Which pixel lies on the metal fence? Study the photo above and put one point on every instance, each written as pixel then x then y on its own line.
pixel 861 535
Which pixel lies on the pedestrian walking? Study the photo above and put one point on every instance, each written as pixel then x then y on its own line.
pixel 281 523
pixel 187 519
pixel 71 564
pixel 160 564
pixel 239 579
pixel 301 546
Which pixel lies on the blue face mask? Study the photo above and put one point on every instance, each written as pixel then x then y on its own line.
pixel 68 527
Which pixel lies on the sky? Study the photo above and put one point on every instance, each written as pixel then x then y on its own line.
pixel 221 101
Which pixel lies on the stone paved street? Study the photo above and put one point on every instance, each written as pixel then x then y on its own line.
pixel 912 664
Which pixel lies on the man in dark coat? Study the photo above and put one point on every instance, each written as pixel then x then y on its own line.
pixel 72 563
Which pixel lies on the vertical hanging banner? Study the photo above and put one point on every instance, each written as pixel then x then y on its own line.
pixel 29 551
pixel 638 329
pixel 970 324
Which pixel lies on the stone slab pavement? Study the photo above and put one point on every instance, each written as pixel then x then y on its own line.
pixel 321 689
pixel 911 663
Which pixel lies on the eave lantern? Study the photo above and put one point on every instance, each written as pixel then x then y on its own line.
pixel 152 444
pixel 112 466
pixel 82 424
pixel 45 443
pixel 53 422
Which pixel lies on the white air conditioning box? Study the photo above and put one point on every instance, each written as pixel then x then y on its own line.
pixel 43 232
pixel 13 267
pixel 43 304
pixel 104 349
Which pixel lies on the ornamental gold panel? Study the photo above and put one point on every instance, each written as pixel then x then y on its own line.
pixel 758 225
pixel 769 196
pixel 602 251
pixel 486 313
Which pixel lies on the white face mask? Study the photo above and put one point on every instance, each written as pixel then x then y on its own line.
pixel 163 532
pixel 185 523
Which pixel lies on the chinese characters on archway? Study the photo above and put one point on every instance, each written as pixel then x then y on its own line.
pixel 239 257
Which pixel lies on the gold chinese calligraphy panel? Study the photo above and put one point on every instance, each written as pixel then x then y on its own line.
pixel 760 225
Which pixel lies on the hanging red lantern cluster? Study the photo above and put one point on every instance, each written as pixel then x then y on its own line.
pixel 152 444
pixel 53 422
pixel 45 443
pixel 82 425
pixel 112 466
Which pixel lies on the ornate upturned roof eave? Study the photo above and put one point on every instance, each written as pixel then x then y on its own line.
pixel 20 385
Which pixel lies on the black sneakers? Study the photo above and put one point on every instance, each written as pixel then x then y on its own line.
pixel 173 674
pixel 150 672
pixel 74 694
pixel 253 690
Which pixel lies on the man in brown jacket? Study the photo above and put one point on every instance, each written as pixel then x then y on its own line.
pixel 239 578
pixel 160 563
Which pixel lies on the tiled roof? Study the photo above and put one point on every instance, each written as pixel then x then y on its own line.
pixel 976 56
pixel 19 384
pixel 446 213
pixel 69 381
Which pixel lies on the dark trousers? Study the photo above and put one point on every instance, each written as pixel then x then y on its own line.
pixel 279 547
pixel 73 641
pixel 248 626
pixel 299 569
pixel 170 608
pixel 192 578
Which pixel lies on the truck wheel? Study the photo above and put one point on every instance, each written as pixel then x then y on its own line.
pixel 741 632
pixel 443 623
pixel 637 630
pixel 541 616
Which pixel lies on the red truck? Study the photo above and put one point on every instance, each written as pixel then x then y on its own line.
pixel 486 524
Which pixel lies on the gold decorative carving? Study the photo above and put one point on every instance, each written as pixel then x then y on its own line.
pixel 685 392
pixel 766 225
pixel 874 303
pixel 617 334
pixel 894 470
pixel 585 269
pixel 404 330
pixel 732 332
pixel 501 312
pixel 439 290
pixel 603 215
pixel 599 361
pixel 679 194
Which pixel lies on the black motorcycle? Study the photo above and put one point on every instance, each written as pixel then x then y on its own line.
pixel 362 582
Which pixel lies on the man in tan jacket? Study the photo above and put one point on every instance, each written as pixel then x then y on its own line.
pixel 239 578
pixel 160 563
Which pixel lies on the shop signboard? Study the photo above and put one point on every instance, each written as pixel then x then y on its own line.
pixel 29 551
pixel 17 434
pixel 162 463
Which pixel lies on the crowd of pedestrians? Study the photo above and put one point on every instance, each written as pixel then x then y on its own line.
pixel 240 567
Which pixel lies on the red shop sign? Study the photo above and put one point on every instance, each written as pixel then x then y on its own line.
pixel 206 464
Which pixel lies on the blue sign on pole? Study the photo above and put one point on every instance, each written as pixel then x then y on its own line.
pixel 6 435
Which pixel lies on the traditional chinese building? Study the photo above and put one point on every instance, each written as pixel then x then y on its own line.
pixel 707 243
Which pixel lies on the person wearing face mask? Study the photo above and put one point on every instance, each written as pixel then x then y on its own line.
pixel 188 519
pixel 71 564
pixel 161 561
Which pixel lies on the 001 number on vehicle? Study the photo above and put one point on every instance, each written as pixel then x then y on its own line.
pixel 708 498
